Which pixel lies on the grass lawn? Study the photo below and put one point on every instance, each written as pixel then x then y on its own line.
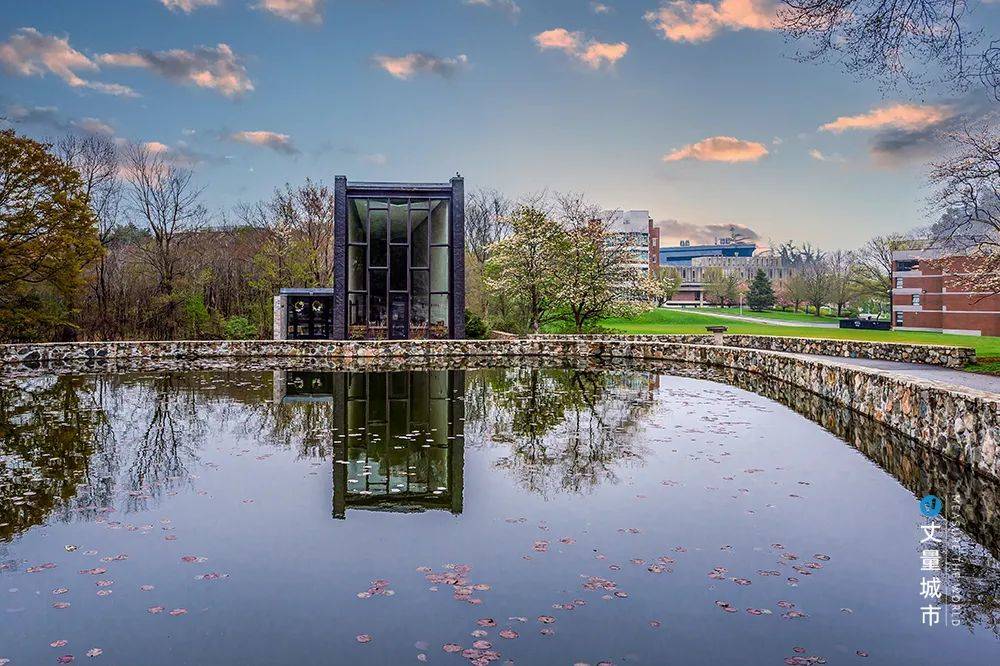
pixel 688 321
pixel 775 314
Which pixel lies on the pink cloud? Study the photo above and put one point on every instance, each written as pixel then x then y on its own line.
pixel 299 11
pixel 281 143
pixel 215 68
pixel 409 65
pixel 899 116
pixel 591 52
pixel 188 6
pixel 32 53
pixel 687 21
pixel 719 149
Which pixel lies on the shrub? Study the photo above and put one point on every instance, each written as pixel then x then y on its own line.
pixel 475 327
pixel 239 328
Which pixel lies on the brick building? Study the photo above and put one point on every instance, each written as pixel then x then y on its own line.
pixel 929 294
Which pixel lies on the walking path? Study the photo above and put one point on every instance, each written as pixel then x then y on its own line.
pixel 761 320
pixel 937 373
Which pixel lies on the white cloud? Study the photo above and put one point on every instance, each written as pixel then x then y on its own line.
pixel 32 53
pixel 280 143
pixel 820 156
pixel 509 6
pixel 687 21
pixel 601 8
pixel 407 66
pixel 591 52
pixel 719 149
pixel 216 68
pixel 300 11
pixel 188 6
pixel 93 126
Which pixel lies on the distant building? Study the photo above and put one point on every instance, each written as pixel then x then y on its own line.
pixel 929 294
pixel 635 228
pixel 694 262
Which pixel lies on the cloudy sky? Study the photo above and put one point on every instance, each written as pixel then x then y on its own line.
pixel 694 110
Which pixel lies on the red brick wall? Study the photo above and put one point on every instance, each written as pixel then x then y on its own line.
pixel 943 309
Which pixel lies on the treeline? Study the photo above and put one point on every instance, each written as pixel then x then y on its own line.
pixel 105 241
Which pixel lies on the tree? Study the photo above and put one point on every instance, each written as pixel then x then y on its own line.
pixel 666 281
pixel 817 287
pixel 872 276
pixel 593 271
pixel 761 296
pixel 47 234
pixel 840 265
pixel 487 221
pixel 916 41
pixel 968 198
pixel 167 205
pixel 794 290
pixel 305 215
pixel 721 287
pixel 98 161
pixel 521 268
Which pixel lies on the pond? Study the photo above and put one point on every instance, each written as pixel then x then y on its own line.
pixel 533 515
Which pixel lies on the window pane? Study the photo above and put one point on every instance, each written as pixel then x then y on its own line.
pixel 439 316
pixel 356 314
pixel 419 240
pixel 378 220
pixel 419 303
pixel 397 268
pixel 377 298
pixel 439 268
pixel 397 220
pixel 357 268
pixel 439 222
pixel 358 219
pixel 378 203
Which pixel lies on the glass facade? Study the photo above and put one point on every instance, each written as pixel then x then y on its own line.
pixel 399 267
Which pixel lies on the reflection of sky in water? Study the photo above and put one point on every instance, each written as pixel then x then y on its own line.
pixel 659 502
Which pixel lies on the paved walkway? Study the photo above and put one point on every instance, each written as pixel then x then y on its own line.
pixel 762 320
pixel 988 383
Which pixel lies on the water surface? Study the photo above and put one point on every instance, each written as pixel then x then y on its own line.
pixel 539 516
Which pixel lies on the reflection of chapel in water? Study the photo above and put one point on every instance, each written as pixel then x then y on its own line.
pixel 398 437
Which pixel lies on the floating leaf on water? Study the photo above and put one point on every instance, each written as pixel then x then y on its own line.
pixel 486 622
pixel 59 643
pixel 155 610
pixel 147 588
pixel 546 619
pixel 451 648
pixel 95 652
pixel 655 624
pixel 509 634
pixel 482 645
pixel 61 605
pixel 861 653
pixel 177 612
pixel 65 659
pixel 363 638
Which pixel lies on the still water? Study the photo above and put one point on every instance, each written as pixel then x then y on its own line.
pixel 500 515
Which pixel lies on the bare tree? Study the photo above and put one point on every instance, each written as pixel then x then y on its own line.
pixel 98 161
pixel 918 41
pixel 817 283
pixel 306 212
pixel 167 205
pixel 873 267
pixel 487 220
pixel 968 198
pixel 840 265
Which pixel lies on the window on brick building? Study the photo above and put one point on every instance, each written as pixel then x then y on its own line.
pixel 915 299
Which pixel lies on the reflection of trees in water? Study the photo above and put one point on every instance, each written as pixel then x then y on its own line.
pixel 971 582
pixel 568 430
pixel 49 428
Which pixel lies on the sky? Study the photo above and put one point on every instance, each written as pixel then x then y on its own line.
pixel 694 110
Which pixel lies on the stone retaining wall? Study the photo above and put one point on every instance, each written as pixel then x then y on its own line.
pixel 961 423
pixel 950 357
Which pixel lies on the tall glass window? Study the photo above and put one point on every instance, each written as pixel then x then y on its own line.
pixel 399 267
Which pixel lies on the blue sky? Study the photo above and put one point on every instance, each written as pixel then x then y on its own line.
pixel 704 120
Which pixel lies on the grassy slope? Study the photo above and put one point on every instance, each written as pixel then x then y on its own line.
pixel 686 321
pixel 775 314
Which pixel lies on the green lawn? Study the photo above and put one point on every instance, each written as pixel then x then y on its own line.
pixel 774 314
pixel 688 321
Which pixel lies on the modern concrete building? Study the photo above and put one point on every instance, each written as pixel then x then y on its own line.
pixel 930 293
pixel 694 262
pixel 399 267
pixel 636 230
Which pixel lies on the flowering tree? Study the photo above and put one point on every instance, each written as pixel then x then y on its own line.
pixel 522 268
pixel 594 270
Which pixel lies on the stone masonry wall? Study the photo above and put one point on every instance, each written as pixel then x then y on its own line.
pixel 951 357
pixel 961 423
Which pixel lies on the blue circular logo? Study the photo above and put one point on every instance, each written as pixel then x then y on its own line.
pixel 931 506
